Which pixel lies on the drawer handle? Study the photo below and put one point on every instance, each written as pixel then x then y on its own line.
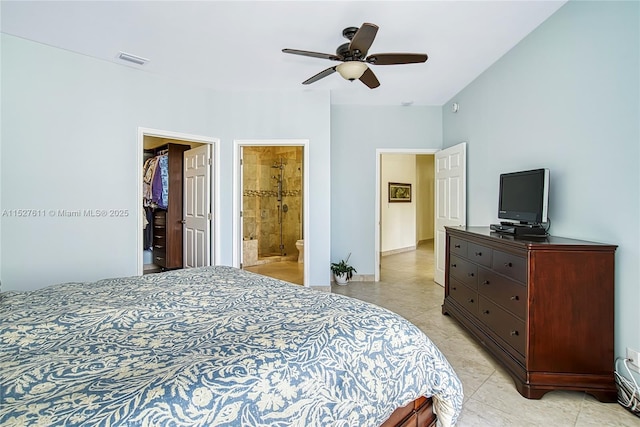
pixel 454 265
pixel 456 246
pixel 478 253
pixel 515 298
pixel 470 274
pixel 508 264
pixel 486 312
pixel 486 282
pixel 514 333
pixel 470 300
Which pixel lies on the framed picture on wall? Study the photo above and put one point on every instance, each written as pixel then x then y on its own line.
pixel 399 192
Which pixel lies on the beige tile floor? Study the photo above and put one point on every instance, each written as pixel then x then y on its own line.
pixel 289 271
pixel 407 288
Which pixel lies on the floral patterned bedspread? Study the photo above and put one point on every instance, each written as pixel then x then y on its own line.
pixel 213 346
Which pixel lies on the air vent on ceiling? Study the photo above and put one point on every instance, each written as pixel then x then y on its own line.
pixel 133 58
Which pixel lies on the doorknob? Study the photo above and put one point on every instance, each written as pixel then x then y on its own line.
pixel 183 221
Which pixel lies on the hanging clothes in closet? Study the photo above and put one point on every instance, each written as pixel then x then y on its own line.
pixel 155 189
pixel 156 181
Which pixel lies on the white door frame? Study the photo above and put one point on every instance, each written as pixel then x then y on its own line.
pixel 237 200
pixel 379 153
pixel 215 176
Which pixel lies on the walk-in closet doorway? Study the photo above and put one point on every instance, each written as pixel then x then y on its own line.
pixel 178 225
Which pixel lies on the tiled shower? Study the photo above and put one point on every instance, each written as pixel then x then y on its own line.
pixel 272 200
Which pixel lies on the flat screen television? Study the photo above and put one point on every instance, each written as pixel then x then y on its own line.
pixel 524 196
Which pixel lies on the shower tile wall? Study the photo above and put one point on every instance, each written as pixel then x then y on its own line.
pixel 260 201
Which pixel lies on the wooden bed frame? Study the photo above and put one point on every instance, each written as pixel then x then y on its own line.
pixel 418 413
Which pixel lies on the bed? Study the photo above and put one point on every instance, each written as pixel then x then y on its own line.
pixel 214 346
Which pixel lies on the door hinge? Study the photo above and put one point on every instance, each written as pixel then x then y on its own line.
pixel 209 160
pixel 209 216
pixel 240 214
pixel 240 265
pixel 240 162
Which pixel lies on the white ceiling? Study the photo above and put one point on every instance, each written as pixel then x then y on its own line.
pixel 237 45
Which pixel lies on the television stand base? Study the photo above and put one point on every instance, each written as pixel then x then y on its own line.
pixel 519 230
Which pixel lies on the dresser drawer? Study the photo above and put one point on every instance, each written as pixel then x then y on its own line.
pixel 507 293
pixel 510 265
pixel 458 246
pixel 505 325
pixel 464 271
pixel 160 218
pixel 480 254
pixel 159 237
pixel 159 257
pixel 465 296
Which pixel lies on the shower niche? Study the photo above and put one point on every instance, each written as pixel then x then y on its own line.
pixel 271 203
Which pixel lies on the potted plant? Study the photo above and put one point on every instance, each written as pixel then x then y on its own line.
pixel 342 271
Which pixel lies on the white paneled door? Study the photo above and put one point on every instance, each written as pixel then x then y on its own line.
pixel 451 199
pixel 197 207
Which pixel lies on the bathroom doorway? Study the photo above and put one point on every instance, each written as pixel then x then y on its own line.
pixel 272 210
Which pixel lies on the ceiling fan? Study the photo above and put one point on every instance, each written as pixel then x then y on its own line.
pixel 354 59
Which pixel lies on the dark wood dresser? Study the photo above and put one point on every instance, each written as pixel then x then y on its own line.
pixel 544 308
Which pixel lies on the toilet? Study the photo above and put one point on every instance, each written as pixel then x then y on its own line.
pixel 300 248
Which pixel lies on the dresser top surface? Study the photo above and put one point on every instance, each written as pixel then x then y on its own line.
pixel 485 233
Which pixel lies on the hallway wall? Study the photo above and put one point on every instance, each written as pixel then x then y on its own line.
pixel 356 133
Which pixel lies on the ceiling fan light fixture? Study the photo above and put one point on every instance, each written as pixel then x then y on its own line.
pixel 354 62
pixel 351 70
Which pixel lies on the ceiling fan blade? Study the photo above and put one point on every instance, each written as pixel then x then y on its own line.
pixel 320 75
pixel 313 54
pixel 363 38
pixel 396 58
pixel 370 79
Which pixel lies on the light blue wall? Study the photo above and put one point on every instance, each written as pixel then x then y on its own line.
pixel 69 141
pixel 1 288
pixel 356 133
pixel 566 98
pixel 268 115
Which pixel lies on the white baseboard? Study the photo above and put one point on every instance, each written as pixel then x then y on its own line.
pixel 359 278
pixel 399 250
